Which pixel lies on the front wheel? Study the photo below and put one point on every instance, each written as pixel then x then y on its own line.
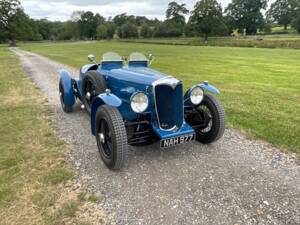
pixel 208 120
pixel 65 107
pixel 111 137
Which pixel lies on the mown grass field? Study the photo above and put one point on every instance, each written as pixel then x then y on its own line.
pixel 260 87
pixel 33 171
pixel 290 41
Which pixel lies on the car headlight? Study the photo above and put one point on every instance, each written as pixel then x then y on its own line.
pixel 139 102
pixel 196 95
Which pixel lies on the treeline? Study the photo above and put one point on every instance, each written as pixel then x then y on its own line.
pixel 207 18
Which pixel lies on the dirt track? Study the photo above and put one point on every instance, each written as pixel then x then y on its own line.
pixel 235 181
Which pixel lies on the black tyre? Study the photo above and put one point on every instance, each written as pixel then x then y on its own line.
pixel 93 84
pixel 111 137
pixel 66 109
pixel 213 117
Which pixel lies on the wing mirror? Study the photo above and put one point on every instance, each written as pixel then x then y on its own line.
pixel 151 58
pixel 92 58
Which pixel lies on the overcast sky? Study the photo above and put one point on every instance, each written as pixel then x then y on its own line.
pixel 62 9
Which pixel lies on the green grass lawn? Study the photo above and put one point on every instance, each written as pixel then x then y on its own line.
pixel 32 166
pixel 260 87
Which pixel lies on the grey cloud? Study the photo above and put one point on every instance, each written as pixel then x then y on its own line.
pixel 62 9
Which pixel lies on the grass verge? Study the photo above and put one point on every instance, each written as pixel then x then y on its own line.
pixel 36 184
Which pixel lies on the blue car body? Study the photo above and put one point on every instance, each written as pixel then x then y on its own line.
pixel 167 102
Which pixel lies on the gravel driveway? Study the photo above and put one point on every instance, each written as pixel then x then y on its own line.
pixel 234 181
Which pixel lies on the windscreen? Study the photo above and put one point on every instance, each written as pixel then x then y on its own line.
pixel 111 56
pixel 137 56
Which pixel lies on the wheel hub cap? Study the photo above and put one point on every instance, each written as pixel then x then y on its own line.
pixel 102 138
pixel 88 95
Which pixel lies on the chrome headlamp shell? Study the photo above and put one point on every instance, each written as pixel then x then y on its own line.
pixel 196 95
pixel 139 102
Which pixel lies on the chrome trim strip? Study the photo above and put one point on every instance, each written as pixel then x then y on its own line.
pixel 170 81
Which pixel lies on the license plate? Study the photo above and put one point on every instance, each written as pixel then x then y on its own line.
pixel 169 142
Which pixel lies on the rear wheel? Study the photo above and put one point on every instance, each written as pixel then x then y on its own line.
pixel 93 84
pixel 208 120
pixel 111 137
pixel 66 108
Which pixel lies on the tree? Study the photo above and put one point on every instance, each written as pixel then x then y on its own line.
pixel 121 19
pixel 129 30
pixel 176 12
pixel 76 16
pixel 45 28
pixel 102 31
pixel 9 9
pixel 140 20
pixel 110 29
pixel 70 31
pixel 15 24
pixel 281 11
pixel 296 24
pixel 190 30
pixel 98 19
pixel 146 31
pixel 88 23
pixel 23 28
pixel 246 14
pixel 296 20
pixel 175 21
pixel 167 29
pixel 206 16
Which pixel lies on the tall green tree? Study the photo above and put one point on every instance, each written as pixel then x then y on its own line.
pixel 15 24
pixel 296 18
pixel 9 10
pixel 246 14
pixel 282 12
pixel 176 12
pixel 206 17
pixel 88 23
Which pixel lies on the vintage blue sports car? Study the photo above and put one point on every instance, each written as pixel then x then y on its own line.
pixel 129 103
